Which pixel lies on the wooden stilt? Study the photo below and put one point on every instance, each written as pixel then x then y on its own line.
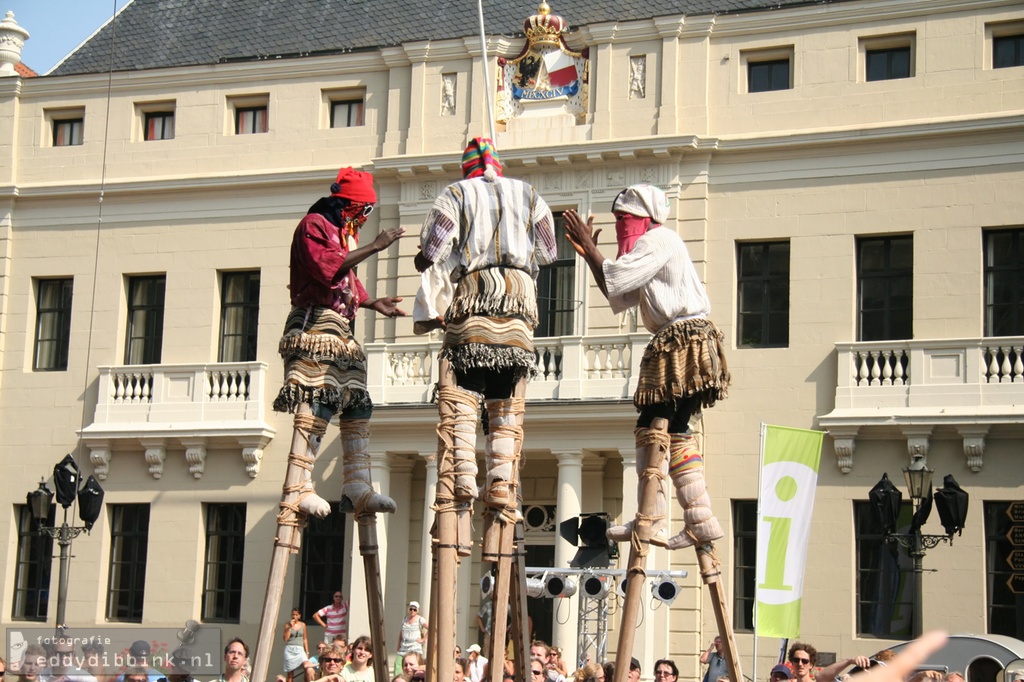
pixel 710 572
pixel 289 536
pixel 431 672
pixel 446 557
pixel 636 567
pixel 520 621
pixel 368 549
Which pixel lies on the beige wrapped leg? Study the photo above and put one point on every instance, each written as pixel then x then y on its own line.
pixel 504 444
pixel 659 517
pixel 457 430
pixel 357 486
pixel 686 469
pixel 312 430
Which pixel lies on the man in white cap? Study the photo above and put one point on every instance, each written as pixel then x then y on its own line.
pixel 683 368
pixel 477 663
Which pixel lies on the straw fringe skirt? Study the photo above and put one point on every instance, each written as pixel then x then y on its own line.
pixel 682 360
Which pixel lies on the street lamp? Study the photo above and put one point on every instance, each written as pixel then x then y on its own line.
pixel 951 501
pixel 67 479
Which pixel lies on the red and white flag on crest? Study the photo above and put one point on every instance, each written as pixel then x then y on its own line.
pixel 561 68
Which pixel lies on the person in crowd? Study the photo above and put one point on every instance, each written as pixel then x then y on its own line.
pixel 609 671
pixel 477 663
pixel 360 668
pixel 296 645
pixel 555 659
pixel 832 672
pixel 332 661
pixel 665 670
pixel 591 672
pixel 94 659
pixel 412 663
pixel 236 662
pixel 803 657
pixel 135 675
pixel 62 664
pixel 714 660
pixel 542 651
pixel 333 618
pixel 780 673
pixel 634 670
pixel 461 666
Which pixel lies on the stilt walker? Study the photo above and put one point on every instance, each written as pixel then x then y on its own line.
pixel 325 372
pixel 683 370
pixel 481 249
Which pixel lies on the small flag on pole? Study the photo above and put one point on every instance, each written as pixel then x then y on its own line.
pixel 789 476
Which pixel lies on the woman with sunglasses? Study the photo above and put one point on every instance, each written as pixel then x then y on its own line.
pixel 325 367
pixel 412 635
pixel 332 661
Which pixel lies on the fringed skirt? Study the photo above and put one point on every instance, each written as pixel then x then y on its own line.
pixel 323 364
pixel 682 360
pixel 489 324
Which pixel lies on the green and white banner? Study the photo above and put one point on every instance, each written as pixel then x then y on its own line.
pixel 789 476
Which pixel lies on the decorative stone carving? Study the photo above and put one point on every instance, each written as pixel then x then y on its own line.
pixel 195 455
pixel 638 77
pixel 427 191
pixel 100 455
pixel 253 457
pixel 917 440
pixel 156 454
pixel 584 179
pixel 974 445
pixel 844 442
pixel 12 40
pixel 448 83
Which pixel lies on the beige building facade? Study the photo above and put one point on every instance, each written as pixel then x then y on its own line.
pixel 847 177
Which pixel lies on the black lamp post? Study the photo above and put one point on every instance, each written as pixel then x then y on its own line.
pixel 67 480
pixel 951 501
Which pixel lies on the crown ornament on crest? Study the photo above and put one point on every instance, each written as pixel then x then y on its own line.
pixel 544 27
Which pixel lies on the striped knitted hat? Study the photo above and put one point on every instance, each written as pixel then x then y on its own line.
pixel 479 157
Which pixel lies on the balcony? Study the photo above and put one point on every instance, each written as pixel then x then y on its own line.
pixel 151 407
pixel 973 387
pixel 568 368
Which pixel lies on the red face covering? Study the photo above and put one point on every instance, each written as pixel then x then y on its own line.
pixel 628 229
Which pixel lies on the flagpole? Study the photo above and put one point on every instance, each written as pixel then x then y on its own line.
pixel 760 468
pixel 487 73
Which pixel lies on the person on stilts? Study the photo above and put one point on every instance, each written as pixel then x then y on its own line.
pixel 683 369
pixel 486 237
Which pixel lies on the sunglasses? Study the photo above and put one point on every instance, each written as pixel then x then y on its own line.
pixel 325 659
pixel 537 672
pixel 413 608
pixel 367 210
pixel 803 661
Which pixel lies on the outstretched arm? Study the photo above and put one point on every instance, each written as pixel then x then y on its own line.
pixel 383 240
pixel 385 306
pixel 584 239
pixel 829 673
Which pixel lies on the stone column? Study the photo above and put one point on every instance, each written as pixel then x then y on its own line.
pixel 429 487
pixel 568 505
pixel 601 79
pixel 399 84
pixel 668 86
pixel 417 53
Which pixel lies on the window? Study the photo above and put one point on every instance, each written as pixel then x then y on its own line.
pixel 222 573
pixel 885 288
pixel 885 576
pixel 763 294
pixel 346 113
pixel 250 120
pixel 239 316
pixel 145 320
pixel 556 288
pixel 1005 609
pixel 768 69
pixel 53 324
pixel 323 560
pixel 158 125
pixel 887 64
pixel 744 572
pixel 32 571
pixel 1007 51
pixel 1004 282
pixel 129 539
pixel 67 131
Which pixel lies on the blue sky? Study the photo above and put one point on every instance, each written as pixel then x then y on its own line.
pixel 57 26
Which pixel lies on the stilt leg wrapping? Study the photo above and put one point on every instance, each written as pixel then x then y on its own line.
pixel 457 432
pixel 687 472
pixel 504 445
pixel 358 486
pixel 309 430
pixel 658 518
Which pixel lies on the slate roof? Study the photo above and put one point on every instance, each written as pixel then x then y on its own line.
pixel 152 34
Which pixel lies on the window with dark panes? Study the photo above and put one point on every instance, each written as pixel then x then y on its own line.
pixel 556 288
pixel 322 569
pixel 763 294
pixel 239 316
pixel 768 75
pixel 888 63
pixel 250 120
pixel 53 324
pixel 744 572
pixel 1004 282
pixel 159 125
pixel 1004 591
pixel 885 576
pixel 129 545
pixel 885 288
pixel 347 113
pixel 1007 51
pixel 145 320
pixel 68 132
pixel 32 570
pixel 222 570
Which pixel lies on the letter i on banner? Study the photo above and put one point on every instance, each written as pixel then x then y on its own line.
pixel 789 476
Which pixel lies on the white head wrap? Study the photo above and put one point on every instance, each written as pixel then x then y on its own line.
pixel 643 200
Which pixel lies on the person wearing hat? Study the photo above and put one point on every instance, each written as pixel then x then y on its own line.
pixel 325 367
pixel 412 635
pixel 477 663
pixel 683 368
pixel 481 248
pixel 780 673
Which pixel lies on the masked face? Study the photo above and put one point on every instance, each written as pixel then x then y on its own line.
pixel 628 229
